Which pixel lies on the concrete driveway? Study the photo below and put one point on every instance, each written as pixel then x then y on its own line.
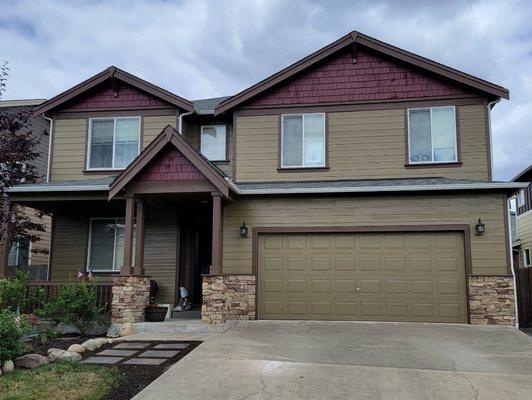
pixel 352 360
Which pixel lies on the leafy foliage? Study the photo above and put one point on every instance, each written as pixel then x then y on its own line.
pixel 17 151
pixel 12 330
pixel 75 304
pixel 15 295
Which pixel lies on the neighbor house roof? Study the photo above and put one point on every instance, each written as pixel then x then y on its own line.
pixel 114 73
pixel 21 103
pixel 524 176
pixel 354 39
pixel 207 106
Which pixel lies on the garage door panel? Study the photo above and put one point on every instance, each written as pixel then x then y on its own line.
pixel 378 277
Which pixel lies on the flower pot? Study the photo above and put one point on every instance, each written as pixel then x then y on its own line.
pixel 155 313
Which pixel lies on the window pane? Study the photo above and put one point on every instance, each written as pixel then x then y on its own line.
pixel 292 141
pixel 13 255
pixel 126 141
pixel 101 151
pixel 444 133
pixel 18 254
pixel 102 244
pixel 213 142
pixel 314 140
pixel 419 139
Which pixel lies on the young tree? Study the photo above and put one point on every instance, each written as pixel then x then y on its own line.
pixel 17 151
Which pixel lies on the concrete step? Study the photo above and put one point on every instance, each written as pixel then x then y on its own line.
pixel 180 325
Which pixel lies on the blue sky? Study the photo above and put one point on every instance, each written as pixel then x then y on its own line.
pixel 202 48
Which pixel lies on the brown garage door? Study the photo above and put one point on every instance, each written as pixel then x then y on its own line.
pixel 379 277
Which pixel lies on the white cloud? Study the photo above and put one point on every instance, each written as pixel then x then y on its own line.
pixel 205 48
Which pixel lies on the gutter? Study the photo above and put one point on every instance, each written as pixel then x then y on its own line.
pixel 374 189
pixel 49 161
pixel 180 121
pixel 62 188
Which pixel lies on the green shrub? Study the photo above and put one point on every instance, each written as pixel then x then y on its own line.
pixel 12 330
pixel 74 304
pixel 13 292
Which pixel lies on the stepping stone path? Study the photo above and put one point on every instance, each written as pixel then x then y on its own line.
pixel 137 353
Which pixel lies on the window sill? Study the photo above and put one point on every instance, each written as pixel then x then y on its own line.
pixel 302 169
pixel 435 165
pixel 223 162
pixel 102 171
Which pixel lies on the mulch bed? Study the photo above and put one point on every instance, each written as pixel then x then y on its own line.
pixel 135 377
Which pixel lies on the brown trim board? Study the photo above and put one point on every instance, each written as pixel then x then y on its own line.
pixel 463 228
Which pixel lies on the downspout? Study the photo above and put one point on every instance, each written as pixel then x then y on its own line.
pixel 180 121
pixel 49 163
pixel 490 105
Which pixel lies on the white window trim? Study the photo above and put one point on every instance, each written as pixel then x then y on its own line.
pixel 302 115
pixel 226 142
pixel 529 264
pixel 87 269
pixel 89 140
pixel 410 162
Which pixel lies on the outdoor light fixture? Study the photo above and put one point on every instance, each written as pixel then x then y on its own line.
pixel 243 230
pixel 480 228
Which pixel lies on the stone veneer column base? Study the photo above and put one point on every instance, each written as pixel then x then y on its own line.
pixel 491 300
pixel 228 297
pixel 131 295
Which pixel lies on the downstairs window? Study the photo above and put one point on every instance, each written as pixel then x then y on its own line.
pixel 106 244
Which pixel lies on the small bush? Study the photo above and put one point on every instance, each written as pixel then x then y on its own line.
pixel 74 304
pixel 12 330
pixel 14 293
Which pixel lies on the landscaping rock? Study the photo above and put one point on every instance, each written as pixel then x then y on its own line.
pixel 76 348
pixel 113 331
pixel 8 366
pixel 30 361
pixel 60 354
pixel 93 344
pixel 127 329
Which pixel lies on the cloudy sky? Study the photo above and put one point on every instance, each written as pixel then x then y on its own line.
pixel 201 48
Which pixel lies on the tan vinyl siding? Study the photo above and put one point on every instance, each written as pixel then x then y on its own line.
pixel 488 250
pixel 154 125
pixel 38 257
pixel 68 157
pixel 524 231
pixel 362 144
pixel 160 249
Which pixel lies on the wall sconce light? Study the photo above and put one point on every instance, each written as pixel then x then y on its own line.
pixel 243 230
pixel 480 228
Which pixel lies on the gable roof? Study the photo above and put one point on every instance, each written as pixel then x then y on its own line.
pixel 524 176
pixel 353 39
pixel 169 136
pixel 114 73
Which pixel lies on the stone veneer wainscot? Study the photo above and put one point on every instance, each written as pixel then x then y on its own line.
pixel 491 300
pixel 131 295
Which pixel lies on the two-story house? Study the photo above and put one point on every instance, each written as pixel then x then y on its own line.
pixel 355 184
pixel 15 254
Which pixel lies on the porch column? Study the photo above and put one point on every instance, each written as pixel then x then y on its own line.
pixel 127 266
pixel 139 238
pixel 217 234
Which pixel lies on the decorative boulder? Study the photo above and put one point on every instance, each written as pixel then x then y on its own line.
pixel 76 348
pixel 113 331
pixel 8 366
pixel 127 329
pixel 30 361
pixel 93 344
pixel 60 354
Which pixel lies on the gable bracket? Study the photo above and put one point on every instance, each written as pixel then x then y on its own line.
pixel 354 52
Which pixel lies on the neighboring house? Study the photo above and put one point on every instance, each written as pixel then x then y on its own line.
pixel 523 243
pixel 348 186
pixel 32 257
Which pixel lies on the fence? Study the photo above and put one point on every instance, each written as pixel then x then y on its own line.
pixel 104 293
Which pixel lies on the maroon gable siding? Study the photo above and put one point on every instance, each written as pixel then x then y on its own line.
pixel 103 96
pixel 372 77
pixel 169 166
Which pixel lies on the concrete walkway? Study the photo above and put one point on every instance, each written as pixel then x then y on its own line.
pixel 351 360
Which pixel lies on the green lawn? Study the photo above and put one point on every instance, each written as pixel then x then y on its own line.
pixel 65 380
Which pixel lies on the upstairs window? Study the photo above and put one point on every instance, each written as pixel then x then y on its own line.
pixel 113 142
pixel 432 135
pixel 303 140
pixel 213 142
pixel 521 198
pixel 526 258
pixel 106 244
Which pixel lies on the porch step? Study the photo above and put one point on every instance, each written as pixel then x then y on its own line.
pixel 180 325
pixel 186 314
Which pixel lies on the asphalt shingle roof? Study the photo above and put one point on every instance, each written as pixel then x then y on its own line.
pixel 207 106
